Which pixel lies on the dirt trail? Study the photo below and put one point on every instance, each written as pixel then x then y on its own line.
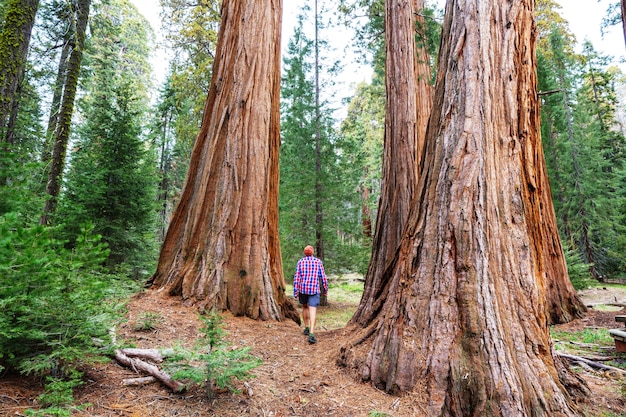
pixel 295 379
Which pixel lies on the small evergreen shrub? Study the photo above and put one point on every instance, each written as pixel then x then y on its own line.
pixel 220 364
pixel 577 269
pixel 147 320
pixel 58 397
pixel 54 302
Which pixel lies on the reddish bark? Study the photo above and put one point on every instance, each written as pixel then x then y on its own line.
pixel 409 100
pixel 465 315
pixel 222 248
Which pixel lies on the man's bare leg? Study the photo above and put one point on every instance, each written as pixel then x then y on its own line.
pixel 306 317
pixel 312 311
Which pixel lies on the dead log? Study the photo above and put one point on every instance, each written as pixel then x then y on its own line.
pixel 593 364
pixel 138 381
pixel 145 367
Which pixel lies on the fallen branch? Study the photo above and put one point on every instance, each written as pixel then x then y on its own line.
pixel 545 93
pixel 137 364
pixel 588 346
pixel 593 364
pixel 138 381
pixel 585 366
pixel 150 354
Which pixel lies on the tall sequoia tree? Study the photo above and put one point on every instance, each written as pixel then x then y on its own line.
pixel 408 105
pixel 222 248
pixel 466 315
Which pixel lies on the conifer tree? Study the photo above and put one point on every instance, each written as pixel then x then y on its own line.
pixel 66 110
pixel 319 203
pixel 112 179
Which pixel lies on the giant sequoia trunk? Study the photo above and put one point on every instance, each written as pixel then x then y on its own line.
pixel 466 317
pixel 563 302
pixel 14 40
pixel 221 249
pixel 409 100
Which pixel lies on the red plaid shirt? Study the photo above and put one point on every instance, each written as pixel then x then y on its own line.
pixel 306 280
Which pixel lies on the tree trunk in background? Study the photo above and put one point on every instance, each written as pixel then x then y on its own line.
pixel 466 318
pixel 62 132
pixel 623 2
pixel 319 191
pixel 15 108
pixel 409 101
pixel 14 41
pixel 366 215
pixel 222 248
pixel 55 105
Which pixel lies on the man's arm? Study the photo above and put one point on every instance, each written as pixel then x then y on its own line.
pixel 324 279
pixel 296 280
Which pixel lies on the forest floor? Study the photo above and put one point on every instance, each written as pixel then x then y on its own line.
pixel 295 379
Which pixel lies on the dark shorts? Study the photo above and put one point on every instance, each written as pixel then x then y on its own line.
pixel 312 300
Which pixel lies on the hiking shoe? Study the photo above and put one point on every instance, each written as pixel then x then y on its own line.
pixel 312 339
pixel 306 331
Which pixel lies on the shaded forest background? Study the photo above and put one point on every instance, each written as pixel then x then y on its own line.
pixel 94 155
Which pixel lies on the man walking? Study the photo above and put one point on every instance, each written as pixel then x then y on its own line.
pixel 306 288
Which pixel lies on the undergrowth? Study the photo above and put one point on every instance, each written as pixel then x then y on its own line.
pixel 212 362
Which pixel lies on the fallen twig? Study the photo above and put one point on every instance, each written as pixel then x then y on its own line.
pixel 155 355
pixel 138 364
pixel 593 364
pixel 138 381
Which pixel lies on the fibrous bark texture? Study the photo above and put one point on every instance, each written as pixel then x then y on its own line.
pixel 563 302
pixel 409 100
pixel 222 249
pixel 466 315
pixel 14 40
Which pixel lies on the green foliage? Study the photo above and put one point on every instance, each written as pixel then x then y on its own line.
pixel 112 178
pixel 58 397
pixel 319 204
pixel 362 149
pixel 367 19
pixel 598 337
pixel 20 189
pixel 147 320
pixel 173 133
pixel 53 301
pixel 221 364
pixel 584 149
pixel 612 17
pixel 190 29
pixel 577 269
pixel 375 413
